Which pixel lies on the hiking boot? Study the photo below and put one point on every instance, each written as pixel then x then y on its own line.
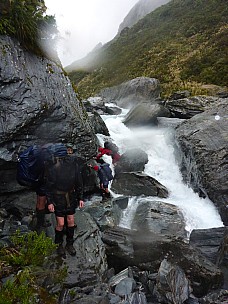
pixel 60 250
pixel 70 249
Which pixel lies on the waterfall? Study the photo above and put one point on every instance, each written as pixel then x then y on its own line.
pixel 158 143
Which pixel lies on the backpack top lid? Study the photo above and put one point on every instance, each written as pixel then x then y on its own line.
pixel 56 150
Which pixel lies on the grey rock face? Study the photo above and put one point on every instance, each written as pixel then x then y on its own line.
pixel 38 105
pixel 172 284
pixel 98 124
pixel 141 9
pixel 145 114
pixel 137 183
pixel 147 250
pixel 132 160
pixel 189 106
pixel 159 217
pixel 131 92
pixel 204 142
pixel 208 241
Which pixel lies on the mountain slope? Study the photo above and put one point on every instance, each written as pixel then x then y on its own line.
pixel 140 10
pixel 182 43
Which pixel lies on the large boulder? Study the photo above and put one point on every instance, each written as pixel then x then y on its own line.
pixel 187 107
pixel 203 139
pixel 131 160
pixel 38 105
pixel 208 241
pixel 145 114
pixel 159 217
pixel 136 184
pixel 132 92
pixel 148 250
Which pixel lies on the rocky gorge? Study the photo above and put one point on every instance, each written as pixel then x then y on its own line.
pixel 155 261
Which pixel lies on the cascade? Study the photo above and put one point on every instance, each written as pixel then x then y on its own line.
pixel 158 143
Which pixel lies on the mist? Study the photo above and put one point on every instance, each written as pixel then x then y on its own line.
pixel 83 24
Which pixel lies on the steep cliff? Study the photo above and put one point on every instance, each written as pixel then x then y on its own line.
pixel 38 105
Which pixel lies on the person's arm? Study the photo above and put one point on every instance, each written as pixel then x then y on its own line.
pixel 79 184
pixel 50 183
pixel 100 154
pixel 104 151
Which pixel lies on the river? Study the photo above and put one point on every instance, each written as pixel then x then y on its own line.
pixel 158 143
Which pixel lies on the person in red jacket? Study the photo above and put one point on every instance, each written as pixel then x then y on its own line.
pixel 109 151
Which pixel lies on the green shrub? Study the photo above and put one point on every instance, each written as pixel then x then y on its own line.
pixel 26 21
pixel 31 249
pixel 24 266
pixel 19 289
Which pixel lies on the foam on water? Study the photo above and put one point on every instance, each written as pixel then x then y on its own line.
pixel 157 142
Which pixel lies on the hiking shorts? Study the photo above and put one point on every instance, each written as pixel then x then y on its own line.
pixel 64 207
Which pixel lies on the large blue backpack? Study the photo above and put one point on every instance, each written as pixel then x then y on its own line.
pixel 30 167
pixel 31 163
pixel 51 151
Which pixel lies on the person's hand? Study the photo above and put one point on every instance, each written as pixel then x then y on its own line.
pixel 51 208
pixel 81 204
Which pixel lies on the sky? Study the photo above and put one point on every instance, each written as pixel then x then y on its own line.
pixel 85 23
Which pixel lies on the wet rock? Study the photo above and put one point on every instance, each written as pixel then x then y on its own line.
pixel 159 217
pixel 121 202
pixel 112 110
pixel 98 124
pixel 38 105
pixel 145 114
pixel 89 265
pixel 208 241
pixel 146 251
pixel 136 184
pixel 216 297
pixel 203 140
pixel 132 160
pixel 132 92
pixel 172 284
pixel 181 106
pixel 103 213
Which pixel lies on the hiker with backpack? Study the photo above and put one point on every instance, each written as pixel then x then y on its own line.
pixel 64 187
pixel 30 173
pixel 109 149
pixel 104 173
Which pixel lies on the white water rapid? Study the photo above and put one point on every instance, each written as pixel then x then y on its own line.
pixel 157 142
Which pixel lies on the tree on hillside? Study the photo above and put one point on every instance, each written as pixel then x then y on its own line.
pixel 27 21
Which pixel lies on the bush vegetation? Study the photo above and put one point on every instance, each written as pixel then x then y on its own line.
pixel 23 266
pixel 27 21
pixel 182 43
